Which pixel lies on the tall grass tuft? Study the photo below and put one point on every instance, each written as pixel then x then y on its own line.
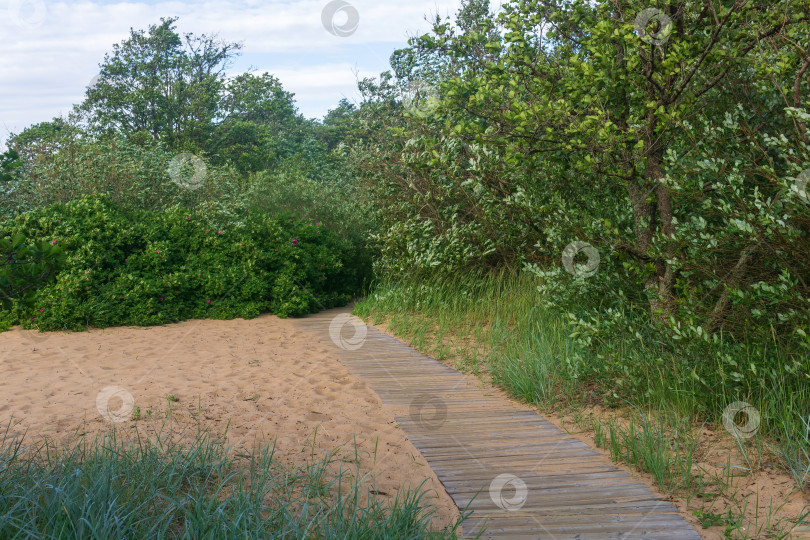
pixel 109 488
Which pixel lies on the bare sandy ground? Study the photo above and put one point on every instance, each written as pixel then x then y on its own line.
pixel 259 381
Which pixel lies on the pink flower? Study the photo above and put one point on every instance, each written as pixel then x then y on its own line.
pixel 188 219
pixel 53 243
pixel 206 231
pixel 160 297
pixel 240 243
pixel 290 219
pixel 208 301
pixel 125 260
pixel 59 221
pixel 219 232
pixel 41 310
pixel 318 223
pixel 158 251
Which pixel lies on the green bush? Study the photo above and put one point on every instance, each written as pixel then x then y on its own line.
pixel 146 267
pixel 339 202
pixel 25 266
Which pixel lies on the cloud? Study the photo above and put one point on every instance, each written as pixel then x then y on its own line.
pixel 49 51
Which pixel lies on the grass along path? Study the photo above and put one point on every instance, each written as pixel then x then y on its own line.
pixel 668 426
pixel 519 475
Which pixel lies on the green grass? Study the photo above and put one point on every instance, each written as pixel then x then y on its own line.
pixel 497 326
pixel 109 488
pixel 663 447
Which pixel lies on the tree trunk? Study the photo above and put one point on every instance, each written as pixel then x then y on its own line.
pixel 723 305
pixel 662 305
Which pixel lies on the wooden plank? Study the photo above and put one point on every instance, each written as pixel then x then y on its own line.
pixel 542 481
pixel 658 530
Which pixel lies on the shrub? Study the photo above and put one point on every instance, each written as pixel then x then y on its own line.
pixel 25 266
pixel 145 267
pixel 133 176
pixel 339 202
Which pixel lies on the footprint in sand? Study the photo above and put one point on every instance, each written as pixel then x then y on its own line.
pixel 314 416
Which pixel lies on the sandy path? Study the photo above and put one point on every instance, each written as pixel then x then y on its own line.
pixel 262 380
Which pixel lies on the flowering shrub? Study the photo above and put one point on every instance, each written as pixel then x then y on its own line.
pixel 139 267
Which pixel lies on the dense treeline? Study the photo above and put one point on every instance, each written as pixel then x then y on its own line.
pixel 666 145
pixel 675 156
pixel 239 197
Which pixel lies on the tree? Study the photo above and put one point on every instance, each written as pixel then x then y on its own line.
pixel 9 162
pixel 157 86
pixel 259 123
pixel 161 85
pixel 338 125
pixel 45 137
pixel 646 83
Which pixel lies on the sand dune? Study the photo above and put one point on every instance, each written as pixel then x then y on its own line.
pixel 261 380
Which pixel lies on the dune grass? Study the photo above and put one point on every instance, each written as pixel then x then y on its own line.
pixel 109 489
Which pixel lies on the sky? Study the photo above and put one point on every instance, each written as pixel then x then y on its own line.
pixel 50 51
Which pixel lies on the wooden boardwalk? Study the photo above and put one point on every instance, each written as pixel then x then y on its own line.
pixel 521 475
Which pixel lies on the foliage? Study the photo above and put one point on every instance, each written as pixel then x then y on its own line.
pixel 339 126
pixel 24 267
pixel 159 97
pixel 339 202
pixel 133 176
pixel 45 137
pixel 677 156
pixel 144 267
pixel 9 162
pixel 160 87
pixel 260 126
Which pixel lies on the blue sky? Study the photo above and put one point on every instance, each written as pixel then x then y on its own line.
pixel 49 51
